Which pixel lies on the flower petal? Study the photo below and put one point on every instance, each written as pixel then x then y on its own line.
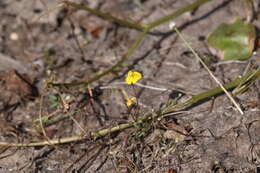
pixel 130 101
pixel 133 77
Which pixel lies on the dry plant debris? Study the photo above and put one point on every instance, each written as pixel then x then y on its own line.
pixel 88 109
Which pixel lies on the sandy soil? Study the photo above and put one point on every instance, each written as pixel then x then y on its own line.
pixel 41 42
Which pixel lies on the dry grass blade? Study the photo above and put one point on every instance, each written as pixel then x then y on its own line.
pixel 211 74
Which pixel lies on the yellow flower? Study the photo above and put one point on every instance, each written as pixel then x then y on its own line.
pixel 133 77
pixel 130 101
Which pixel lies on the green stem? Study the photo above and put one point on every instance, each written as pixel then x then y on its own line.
pixel 129 52
pixel 177 13
pixel 246 80
pixel 214 92
pixel 111 69
pixel 106 16
pixel 51 120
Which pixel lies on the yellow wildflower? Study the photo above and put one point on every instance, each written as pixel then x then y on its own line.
pixel 130 101
pixel 133 77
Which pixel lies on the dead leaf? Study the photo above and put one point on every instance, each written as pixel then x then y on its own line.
pixel 171 134
pixel 92 24
pixel 17 87
pixel 6 127
pixel 172 171
pixel 258 42
pixel 94 29
pixel 178 128
pixel 175 132
pixel 50 132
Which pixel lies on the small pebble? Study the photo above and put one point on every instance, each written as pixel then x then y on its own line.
pixel 14 36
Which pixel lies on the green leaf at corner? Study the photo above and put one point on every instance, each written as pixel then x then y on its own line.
pixel 234 41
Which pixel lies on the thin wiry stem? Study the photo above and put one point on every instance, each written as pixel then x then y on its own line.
pixel 210 73
pixel 145 29
pixel 245 80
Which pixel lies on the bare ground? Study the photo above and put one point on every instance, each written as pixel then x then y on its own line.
pixel 41 42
